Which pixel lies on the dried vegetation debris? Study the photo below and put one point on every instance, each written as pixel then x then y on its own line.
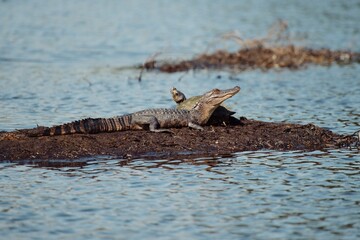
pixel 263 58
pixel 272 51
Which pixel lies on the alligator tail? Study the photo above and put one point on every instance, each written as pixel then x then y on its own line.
pixel 88 125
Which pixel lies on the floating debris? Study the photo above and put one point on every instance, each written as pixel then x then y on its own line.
pixel 259 58
pixel 274 51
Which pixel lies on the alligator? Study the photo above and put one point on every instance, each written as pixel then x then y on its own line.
pixel 221 114
pixel 155 120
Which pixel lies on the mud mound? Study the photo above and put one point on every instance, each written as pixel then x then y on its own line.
pixel 246 135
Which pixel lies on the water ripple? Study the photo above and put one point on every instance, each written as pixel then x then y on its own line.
pixel 298 194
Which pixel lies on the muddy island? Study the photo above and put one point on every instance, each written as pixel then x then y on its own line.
pixel 237 136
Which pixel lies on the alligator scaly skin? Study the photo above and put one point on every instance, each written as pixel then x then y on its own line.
pixel 153 119
pixel 220 114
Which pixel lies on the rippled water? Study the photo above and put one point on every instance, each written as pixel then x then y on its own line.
pixel 59 61
pixel 254 195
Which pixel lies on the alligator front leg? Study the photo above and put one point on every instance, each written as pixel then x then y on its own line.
pixel 148 120
pixel 195 126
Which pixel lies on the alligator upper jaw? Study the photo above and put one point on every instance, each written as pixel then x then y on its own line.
pixel 210 101
pixel 216 96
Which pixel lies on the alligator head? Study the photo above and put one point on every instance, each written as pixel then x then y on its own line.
pixel 209 101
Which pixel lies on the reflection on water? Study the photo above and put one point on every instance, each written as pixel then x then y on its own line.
pixel 284 194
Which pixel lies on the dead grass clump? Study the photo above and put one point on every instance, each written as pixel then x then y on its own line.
pixel 274 51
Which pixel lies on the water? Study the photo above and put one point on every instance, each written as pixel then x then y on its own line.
pixel 59 62
pixel 250 195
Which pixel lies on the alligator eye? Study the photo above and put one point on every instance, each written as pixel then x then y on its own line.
pixel 216 90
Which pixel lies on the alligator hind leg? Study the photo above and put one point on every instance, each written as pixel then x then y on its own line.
pixel 151 121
